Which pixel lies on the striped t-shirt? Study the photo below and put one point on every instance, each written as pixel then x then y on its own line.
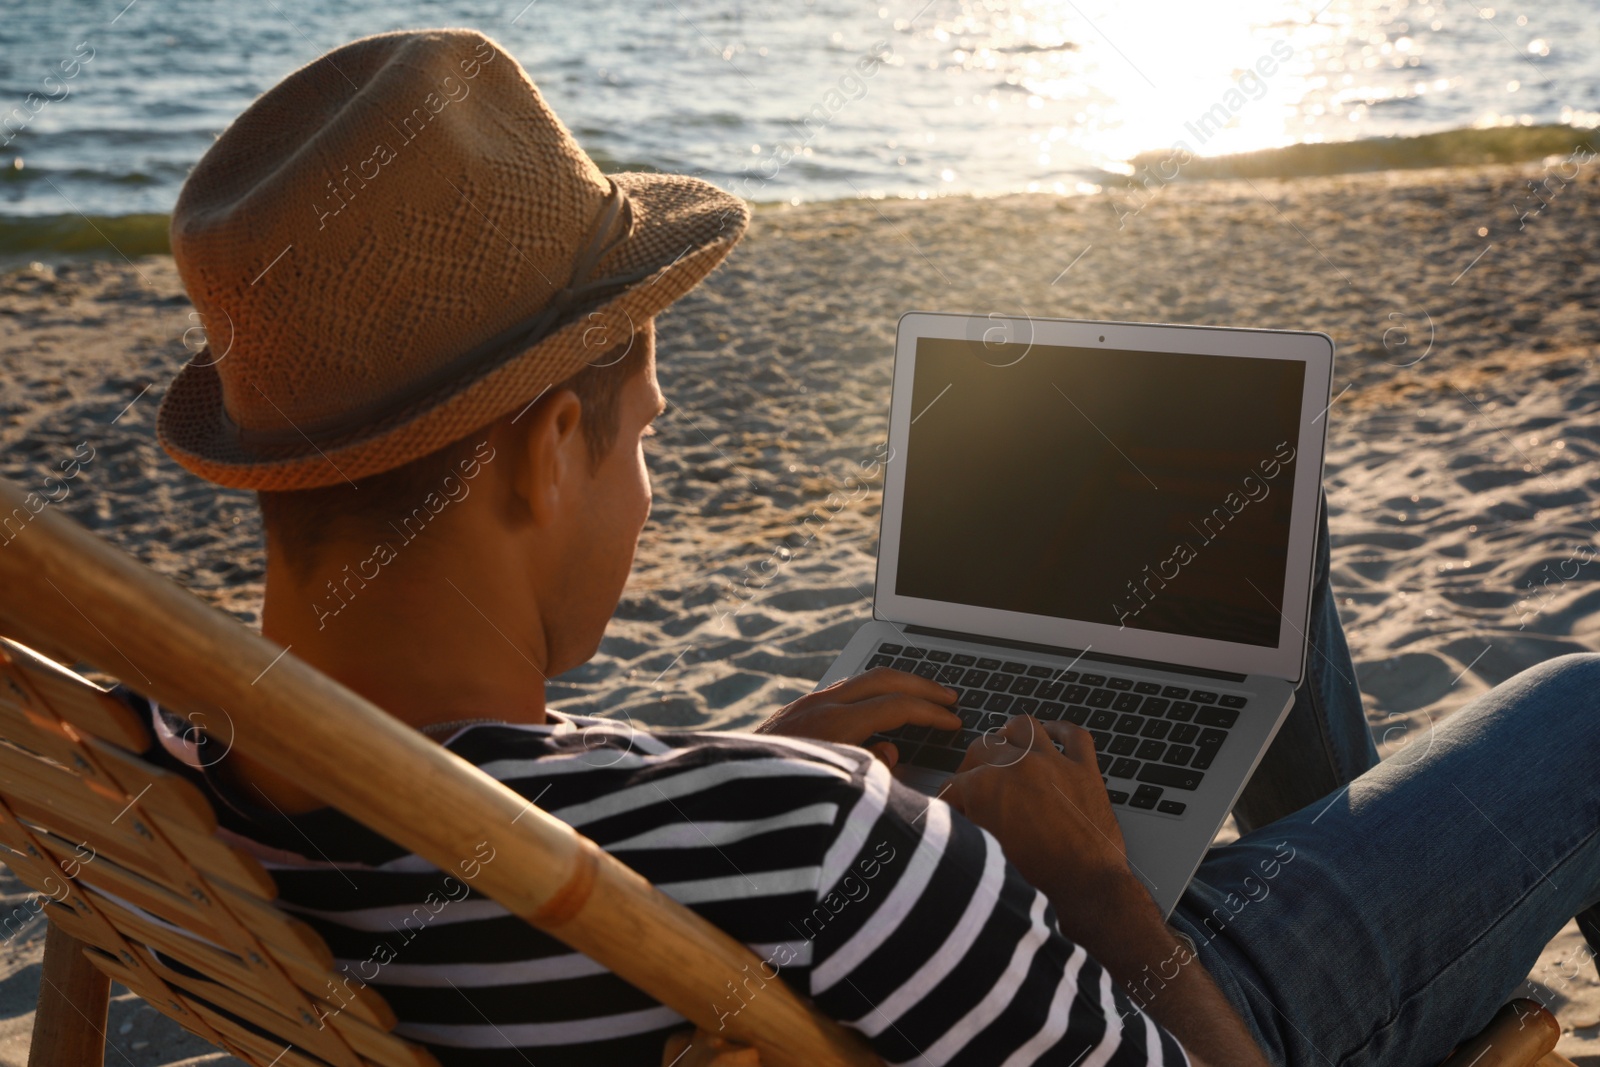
pixel 897 916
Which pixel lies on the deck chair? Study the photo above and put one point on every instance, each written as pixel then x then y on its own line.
pixel 138 886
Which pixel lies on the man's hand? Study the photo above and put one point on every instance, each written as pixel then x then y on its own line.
pixel 852 710
pixel 1050 813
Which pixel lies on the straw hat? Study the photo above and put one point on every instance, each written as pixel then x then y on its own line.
pixel 400 243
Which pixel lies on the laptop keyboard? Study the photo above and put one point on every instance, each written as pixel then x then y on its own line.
pixel 1154 742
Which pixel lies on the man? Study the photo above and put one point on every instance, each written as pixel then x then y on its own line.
pixel 439 374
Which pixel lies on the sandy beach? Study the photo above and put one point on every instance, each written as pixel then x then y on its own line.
pixel 1463 464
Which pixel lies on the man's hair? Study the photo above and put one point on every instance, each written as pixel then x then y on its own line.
pixel 299 521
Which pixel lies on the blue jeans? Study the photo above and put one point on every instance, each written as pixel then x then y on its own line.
pixel 1388 918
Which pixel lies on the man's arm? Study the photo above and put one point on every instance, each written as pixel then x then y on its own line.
pixel 1050 812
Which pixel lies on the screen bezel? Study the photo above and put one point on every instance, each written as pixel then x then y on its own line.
pixel 1284 660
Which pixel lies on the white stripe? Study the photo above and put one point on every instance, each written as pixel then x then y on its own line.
pixel 560 968
pixel 596 759
pixel 1112 1040
pixel 742 886
pixel 530 1035
pixel 392 917
pixel 470 975
pixel 847 761
pixel 862 818
pixel 1057 1018
pixel 883 922
pixel 1152 1043
pixel 947 960
pixel 702 834
pixel 695 781
pixel 799 953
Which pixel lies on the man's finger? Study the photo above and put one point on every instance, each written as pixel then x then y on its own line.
pixel 1076 742
pixel 887 752
pixel 881 713
pixel 884 680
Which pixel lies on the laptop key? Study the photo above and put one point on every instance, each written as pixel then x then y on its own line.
pixel 1223 717
pixel 904 664
pixel 1156 728
pixel 1101 739
pixel 1174 692
pixel 1024 686
pixel 1117 796
pixel 1123 745
pixel 1129 724
pixel 1150 749
pixel 1228 700
pixel 1154 706
pixel 880 660
pixel 1013 667
pixel 1102 720
pixel 1105 760
pixel 984 663
pixel 998 702
pixel 938 759
pixel 961 659
pixel 1202 759
pixel 993 720
pixel 1040 671
pixel 1181 756
pixel 1125 768
pixel 1171 807
pixel 1050 690
pixel 926 670
pixel 914 653
pixel 939 656
pixel 974 677
pixel 1127 702
pixel 893 650
pixel 1077 715
pixel 998 683
pixel 1182 710
pixel 942 738
pixel 1076 694
pixel 1211 738
pixel 1067 676
pixel 950 674
pixel 1184 733
pixel 1145 797
pixel 1119 684
pixel 1025 706
pixel 966 739
pixel 1147 688
pixel 1200 696
pixel 1093 679
pixel 1100 698
pixel 1175 777
pixel 1050 711
pixel 972 718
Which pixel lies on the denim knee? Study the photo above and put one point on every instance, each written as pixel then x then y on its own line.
pixel 1564 687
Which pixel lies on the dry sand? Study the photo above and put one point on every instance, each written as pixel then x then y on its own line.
pixel 1462 469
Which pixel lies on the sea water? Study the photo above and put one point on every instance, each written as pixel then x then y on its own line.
pixel 106 104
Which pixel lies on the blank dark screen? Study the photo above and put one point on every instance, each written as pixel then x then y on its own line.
pixel 1149 490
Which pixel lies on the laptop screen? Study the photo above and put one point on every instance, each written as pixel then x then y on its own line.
pixel 1149 490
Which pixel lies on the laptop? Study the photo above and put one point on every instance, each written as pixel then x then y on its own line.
pixel 1110 524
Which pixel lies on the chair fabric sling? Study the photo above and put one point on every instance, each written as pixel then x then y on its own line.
pixel 137 883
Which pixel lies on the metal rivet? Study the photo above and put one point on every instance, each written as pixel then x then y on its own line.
pixel 142 830
pixel 198 894
pixel 128 958
pixel 79 762
pixel 33 852
pixel 177 1007
pixel 255 958
pixel 306 1018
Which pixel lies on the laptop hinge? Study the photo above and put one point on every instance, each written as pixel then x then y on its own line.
pixel 1055 650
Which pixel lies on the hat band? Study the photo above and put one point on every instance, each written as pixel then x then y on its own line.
pixel 515 339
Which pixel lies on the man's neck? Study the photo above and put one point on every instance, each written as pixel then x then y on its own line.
pixel 427 646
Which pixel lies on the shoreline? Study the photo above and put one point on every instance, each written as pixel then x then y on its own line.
pixel 1463 464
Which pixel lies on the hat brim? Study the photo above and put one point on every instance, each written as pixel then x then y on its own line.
pixel 683 228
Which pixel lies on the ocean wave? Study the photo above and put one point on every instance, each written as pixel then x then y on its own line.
pixel 1450 148
pixel 127 235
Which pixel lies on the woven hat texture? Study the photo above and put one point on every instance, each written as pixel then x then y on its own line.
pixel 400 243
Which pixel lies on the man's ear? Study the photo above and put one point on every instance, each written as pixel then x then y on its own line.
pixel 551 454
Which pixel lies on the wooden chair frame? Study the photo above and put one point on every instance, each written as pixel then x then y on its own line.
pixel 63 591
